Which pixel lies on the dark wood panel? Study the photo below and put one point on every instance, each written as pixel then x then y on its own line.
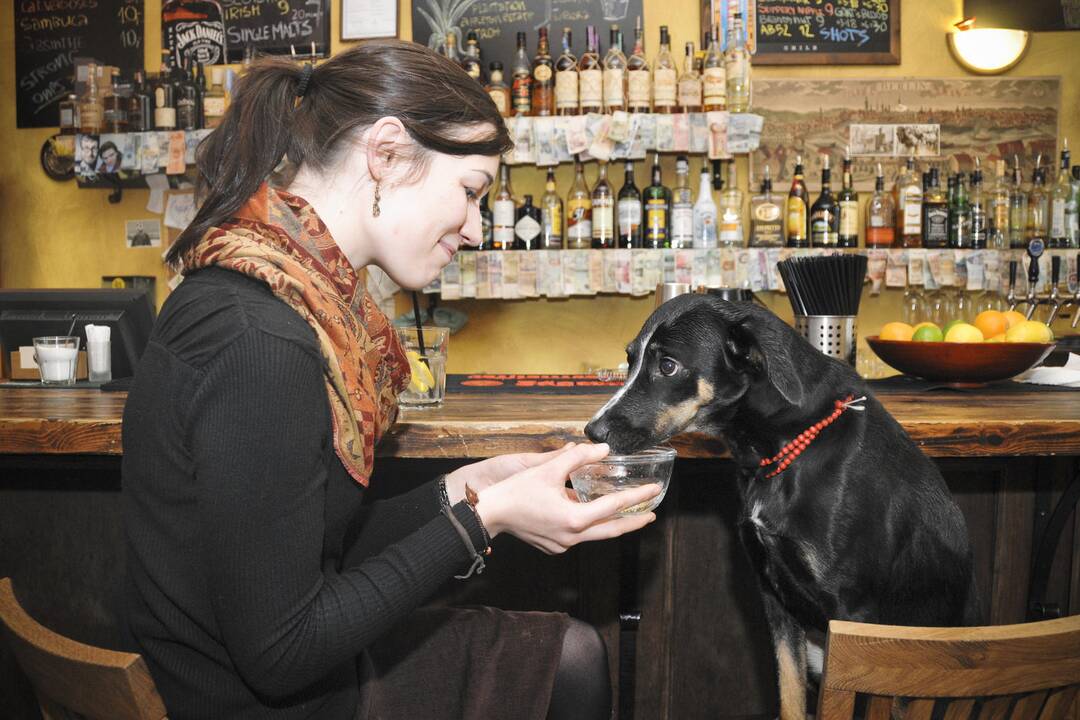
pixel 472 426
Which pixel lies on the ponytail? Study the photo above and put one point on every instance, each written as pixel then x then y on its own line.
pixel 280 111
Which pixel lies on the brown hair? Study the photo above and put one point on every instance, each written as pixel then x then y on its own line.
pixel 431 95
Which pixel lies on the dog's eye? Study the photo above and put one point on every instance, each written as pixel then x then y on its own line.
pixel 668 366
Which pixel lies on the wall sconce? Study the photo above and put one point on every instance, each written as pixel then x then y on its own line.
pixel 986 51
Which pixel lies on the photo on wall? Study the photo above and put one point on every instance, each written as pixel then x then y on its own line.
pixel 142 233
pixel 937 120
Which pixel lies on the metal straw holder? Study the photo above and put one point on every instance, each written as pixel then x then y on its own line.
pixel 834 335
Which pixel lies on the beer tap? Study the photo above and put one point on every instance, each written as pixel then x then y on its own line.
pixel 1034 250
pixel 1011 297
pixel 1054 299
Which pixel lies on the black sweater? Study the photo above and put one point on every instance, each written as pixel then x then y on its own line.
pixel 255 577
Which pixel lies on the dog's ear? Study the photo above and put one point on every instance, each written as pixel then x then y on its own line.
pixel 756 341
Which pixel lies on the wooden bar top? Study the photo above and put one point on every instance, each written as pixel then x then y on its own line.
pixel 943 423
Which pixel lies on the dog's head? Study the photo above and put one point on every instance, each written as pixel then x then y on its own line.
pixel 691 366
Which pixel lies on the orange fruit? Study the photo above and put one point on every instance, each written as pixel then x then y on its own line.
pixel 991 323
pixel 896 331
pixel 1014 317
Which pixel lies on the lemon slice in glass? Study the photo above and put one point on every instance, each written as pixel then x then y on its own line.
pixel 422 380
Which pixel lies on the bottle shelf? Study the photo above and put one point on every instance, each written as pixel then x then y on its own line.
pixel 517 274
pixel 550 140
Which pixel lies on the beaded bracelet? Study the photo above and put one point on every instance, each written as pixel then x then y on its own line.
pixel 440 486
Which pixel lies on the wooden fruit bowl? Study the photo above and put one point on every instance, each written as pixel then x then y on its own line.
pixel 960 364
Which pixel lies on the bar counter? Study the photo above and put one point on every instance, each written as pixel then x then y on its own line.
pixel 944 423
pixel 677 603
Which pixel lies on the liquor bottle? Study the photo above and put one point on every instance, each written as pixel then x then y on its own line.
pixel 200 92
pixel 471 61
pixel 935 221
pixel 91 113
pixel 999 209
pixel 848 202
pixel 214 100
pixel 527 227
pixel 497 89
pixel 566 78
pixel 629 211
pixel 591 75
pixel 657 200
pixel 186 100
pixel 1018 207
pixel 69 115
pixel 766 216
pixel 603 212
pixel 689 83
pixel 579 212
pixel 908 195
pixel 450 50
pixel 487 226
pixel 637 74
pixel 1072 209
pixel 114 106
pixel 980 220
pixel 665 76
pixel 824 215
pixel 193 31
pixel 682 206
pixel 521 85
pixel 543 78
pixel 615 74
pixel 1038 205
pixel 731 212
pixel 880 215
pixel 705 213
pixel 551 215
pixel 504 213
pixel 737 67
pixel 714 77
pixel 164 103
pixel 798 211
pixel 1060 235
pixel 959 215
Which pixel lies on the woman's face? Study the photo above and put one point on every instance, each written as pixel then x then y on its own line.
pixel 423 223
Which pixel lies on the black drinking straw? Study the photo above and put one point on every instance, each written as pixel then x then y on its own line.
pixel 419 326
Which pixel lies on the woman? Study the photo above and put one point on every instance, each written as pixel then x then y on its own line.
pixel 259 586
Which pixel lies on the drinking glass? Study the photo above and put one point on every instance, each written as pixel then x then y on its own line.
pixel 57 356
pixel 427 387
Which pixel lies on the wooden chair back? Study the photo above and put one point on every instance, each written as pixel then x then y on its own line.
pixel 1022 672
pixel 76 680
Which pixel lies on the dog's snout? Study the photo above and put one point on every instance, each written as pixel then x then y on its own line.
pixel 598 429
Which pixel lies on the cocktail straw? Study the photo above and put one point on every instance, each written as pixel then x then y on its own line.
pixel 419 326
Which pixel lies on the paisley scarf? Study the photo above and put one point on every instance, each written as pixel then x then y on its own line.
pixel 277 238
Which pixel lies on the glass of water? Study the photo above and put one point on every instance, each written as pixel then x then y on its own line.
pixel 427 386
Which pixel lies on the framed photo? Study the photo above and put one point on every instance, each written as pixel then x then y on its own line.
pixel 369 19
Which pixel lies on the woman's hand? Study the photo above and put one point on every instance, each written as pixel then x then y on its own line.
pixel 484 474
pixel 536 506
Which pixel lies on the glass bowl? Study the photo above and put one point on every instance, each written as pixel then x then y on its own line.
pixel 621 472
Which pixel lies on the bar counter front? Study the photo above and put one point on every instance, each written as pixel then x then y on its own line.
pixel 677 602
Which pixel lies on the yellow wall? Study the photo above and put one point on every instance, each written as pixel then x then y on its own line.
pixel 55 235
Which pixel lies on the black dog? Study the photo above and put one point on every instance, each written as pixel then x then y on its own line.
pixel 859 526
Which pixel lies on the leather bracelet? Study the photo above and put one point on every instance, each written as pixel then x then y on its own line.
pixel 478 559
pixel 472 499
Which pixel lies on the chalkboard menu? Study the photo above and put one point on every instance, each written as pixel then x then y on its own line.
pixel 276 26
pixel 834 32
pixel 49 35
pixel 497 23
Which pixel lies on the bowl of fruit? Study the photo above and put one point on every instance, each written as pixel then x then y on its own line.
pixel 996 346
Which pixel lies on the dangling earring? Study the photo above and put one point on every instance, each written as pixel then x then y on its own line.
pixel 375 205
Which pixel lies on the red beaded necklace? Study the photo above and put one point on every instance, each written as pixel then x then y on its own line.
pixel 789 452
